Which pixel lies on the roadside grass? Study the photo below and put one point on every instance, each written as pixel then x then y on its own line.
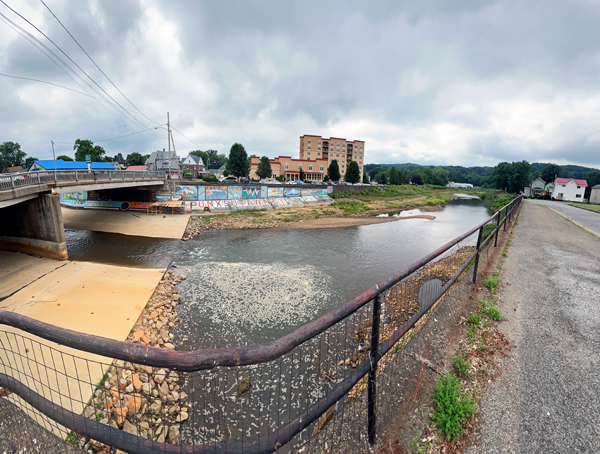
pixel 461 363
pixel 351 207
pixel 587 206
pixel 453 407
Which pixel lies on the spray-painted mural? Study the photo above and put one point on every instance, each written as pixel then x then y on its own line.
pixel 216 193
pixel 263 192
pixel 310 191
pixel 274 192
pixel 251 192
pixel 185 193
pixel 291 192
pixel 74 196
pixel 235 192
pixel 201 194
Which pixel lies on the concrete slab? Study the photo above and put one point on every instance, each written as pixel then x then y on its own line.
pixel 87 297
pixel 126 223
pixel 19 270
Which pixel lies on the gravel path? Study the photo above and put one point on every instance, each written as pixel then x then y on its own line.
pixel 548 398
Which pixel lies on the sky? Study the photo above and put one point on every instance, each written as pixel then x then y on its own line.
pixel 469 83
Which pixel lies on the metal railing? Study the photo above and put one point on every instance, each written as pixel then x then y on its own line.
pixel 20 179
pixel 304 392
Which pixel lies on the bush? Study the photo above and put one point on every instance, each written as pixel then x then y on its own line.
pixel 187 174
pixel 493 312
pixel 474 319
pixel 452 408
pixel 210 179
pixel 491 282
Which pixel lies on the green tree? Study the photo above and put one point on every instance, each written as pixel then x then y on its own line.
pixel 592 178
pixel 519 176
pixel 30 161
pixel 416 179
pixel 394 176
pixel 214 159
pixel 427 175
pixel 11 155
pixel 135 159
pixel 500 175
pixel 264 168
pixel 550 172
pixel 301 176
pixel 402 177
pixel 334 171
pixel 64 157
pixel 352 173
pixel 365 178
pixel 382 178
pixel 325 178
pixel 238 163
pixel 440 176
pixel 203 155
pixel 535 175
pixel 119 158
pixel 85 147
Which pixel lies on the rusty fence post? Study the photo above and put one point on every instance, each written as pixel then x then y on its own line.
pixel 374 357
pixel 497 230
pixel 477 256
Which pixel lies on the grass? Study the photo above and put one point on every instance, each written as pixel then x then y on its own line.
pixel 453 408
pixel 487 230
pixel 349 208
pixel 73 439
pixel 587 206
pixel 474 319
pixel 491 283
pixel 461 364
pixel 493 313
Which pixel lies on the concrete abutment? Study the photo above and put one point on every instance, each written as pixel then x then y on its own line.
pixel 34 227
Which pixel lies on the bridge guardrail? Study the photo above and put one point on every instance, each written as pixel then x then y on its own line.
pixel 20 179
pixel 331 385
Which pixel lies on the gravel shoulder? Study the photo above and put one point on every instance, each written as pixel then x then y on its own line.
pixel 548 400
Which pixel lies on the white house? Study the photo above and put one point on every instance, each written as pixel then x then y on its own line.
pixel 595 195
pixel 192 164
pixel 569 189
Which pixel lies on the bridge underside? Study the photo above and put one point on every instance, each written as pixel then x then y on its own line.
pixel 34 227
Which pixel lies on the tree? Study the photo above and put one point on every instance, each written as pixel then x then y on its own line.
pixel 440 176
pixel 550 172
pixel 86 147
pixel 11 155
pixel 334 171
pixel 519 176
pixel 402 177
pixel 325 178
pixel 264 168
pixel 64 157
pixel 394 177
pixel 119 158
pixel 238 164
pixel 214 159
pixel 500 175
pixel 592 178
pixel 365 178
pixel 416 179
pixel 29 161
pixel 535 175
pixel 301 176
pixel 203 155
pixel 352 173
pixel 135 159
pixel 382 178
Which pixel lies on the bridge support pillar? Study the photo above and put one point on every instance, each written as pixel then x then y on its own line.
pixel 34 227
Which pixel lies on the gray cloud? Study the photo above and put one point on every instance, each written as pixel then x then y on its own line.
pixel 462 82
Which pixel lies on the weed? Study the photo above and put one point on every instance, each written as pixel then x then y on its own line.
pixel 453 409
pixel 73 439
pixel 99 416
pixel 397 347
pixel 100 385
pixel 286 219
pixel 461 363
pixel 481 346
pixel 487 230
pixel 470 334
pixel 494 313
pixel 491 282
pixel 474 319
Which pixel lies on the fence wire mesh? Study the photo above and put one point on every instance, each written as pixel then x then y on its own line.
pixel 313 398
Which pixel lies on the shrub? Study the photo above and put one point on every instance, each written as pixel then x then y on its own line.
pixel 494 313
pixel 474 319
pixel 491 282
pixel 452 408
pixel 461 363
pixel 210 179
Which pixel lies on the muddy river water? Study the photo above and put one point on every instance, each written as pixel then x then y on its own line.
pixel 251 286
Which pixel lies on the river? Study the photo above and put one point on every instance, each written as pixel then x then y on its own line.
pixel 251 286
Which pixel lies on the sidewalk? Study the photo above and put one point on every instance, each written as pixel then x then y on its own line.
pixel 548 398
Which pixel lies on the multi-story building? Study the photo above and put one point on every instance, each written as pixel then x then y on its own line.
pixel 163 160
pixel 345 151
pixel 289 168
pixel 192 164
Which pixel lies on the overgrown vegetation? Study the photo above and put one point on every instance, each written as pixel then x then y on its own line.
pixel 461 363
pixel 453 408
pixel 73 439
pixel 350 207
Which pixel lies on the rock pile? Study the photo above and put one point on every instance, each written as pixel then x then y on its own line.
pixel 196 225
pixel 142 400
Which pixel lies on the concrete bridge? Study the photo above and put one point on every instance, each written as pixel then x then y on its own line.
pixel 30 214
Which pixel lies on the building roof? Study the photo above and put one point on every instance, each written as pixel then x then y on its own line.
pixel 566 180
pixel 48 164
pixel 14 169
pixel 191 160
pixel 596 187
pixel 136 168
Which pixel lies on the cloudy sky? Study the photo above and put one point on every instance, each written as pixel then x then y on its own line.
pixel 432 82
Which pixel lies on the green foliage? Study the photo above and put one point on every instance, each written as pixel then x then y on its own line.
pixel 187 174
pixel 453 409
pixel 264 168
pixel 550 172
pixel 29 161
pixel 461 363
pixel 382 178
pixel 11 155
pixel 64 157
pixel 203 155
pixel 592 178
pixel 491 282
pixel 474 319
pixel 352 173
pixel 394 176
pixel 487 230
pixel 85 147
pixel 493 312
pixel 301 175
pixel 325 178
pixel 210 179
pixel 417 179
pixel 333 171
pixel 494 200
pixel 512 177
pixel 351 207
pixel 135 159
pixel 365 178
pixel 238 163
pixel 73 439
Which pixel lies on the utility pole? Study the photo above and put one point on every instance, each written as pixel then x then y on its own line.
pixel 169 141
pixel 54 156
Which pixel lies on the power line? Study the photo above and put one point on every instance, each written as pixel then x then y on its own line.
pixel 72 61
pixel 120 137
pixel 92 60
pixel 50 83
pixel 185 136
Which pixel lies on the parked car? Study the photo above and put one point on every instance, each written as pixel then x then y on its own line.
pixel 229 180
pixel 265 181
pixel 244 180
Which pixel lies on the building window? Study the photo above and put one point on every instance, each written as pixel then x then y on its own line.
pixel 578 196
pixel 299 166
pixel 309 147
pixel 309 167
pixel 308 153
pixel 321 168
pixel 318 154
pixel 319 142
pixel 578 187
pixel 309 141
pixel 337 155
pixel 319 147
pixel 287 166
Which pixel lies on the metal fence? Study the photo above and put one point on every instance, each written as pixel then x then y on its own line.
pixel 325 387
pixel 20 179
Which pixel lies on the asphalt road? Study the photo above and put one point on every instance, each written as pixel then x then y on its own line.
pixel 586 218
pixel 547 399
